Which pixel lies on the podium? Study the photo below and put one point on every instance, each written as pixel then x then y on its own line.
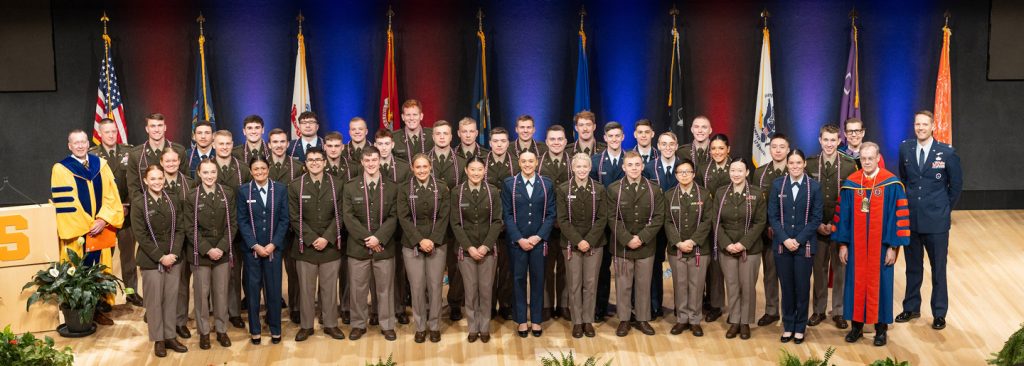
pixel 28 244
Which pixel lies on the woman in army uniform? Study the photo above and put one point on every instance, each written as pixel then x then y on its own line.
pixel 714 176
pixel 158 224
pixel 686 228
pixel 476 222
pixel 582 215
pixel 423 210
pixel 740 218
pixel 210 214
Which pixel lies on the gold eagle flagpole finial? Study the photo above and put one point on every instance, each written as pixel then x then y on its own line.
pixel 764 17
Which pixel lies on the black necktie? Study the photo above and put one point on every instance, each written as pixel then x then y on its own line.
pixel 316 185
pixel 373 186
pixel 203 157
pixel 441 159
pixel 309 146
pixel 263 193
pixel 920 159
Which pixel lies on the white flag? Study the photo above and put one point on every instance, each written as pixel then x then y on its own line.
pixel 764 121
pixel 300 92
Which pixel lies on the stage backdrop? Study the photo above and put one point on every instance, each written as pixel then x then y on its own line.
pixel 532 57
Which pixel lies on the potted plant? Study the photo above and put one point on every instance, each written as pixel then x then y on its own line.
pixel 26 349
pixel 569 360
pixel 76 289
pixel 1012 352
pixel 789 359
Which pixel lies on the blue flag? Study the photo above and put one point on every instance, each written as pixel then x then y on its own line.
pixel 481 110
pixel 202 102
pixel 582 101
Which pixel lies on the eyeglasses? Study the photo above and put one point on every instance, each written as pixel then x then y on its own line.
pixel 685 172
pixel 855 132
pixel 315 160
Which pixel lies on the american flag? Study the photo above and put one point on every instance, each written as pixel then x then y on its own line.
pixel 108 99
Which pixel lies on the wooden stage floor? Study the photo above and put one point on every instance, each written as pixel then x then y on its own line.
pixel 986 263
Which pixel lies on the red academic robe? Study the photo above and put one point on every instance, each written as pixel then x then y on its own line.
pixel 867 297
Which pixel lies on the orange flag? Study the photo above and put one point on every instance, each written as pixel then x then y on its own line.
pixel 943 104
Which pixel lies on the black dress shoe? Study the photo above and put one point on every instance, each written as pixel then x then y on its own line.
pixel 295 317
pixel 840 322
pixel 537 332
pixel 906 316
pixel 799 340
pixel 744 331
pixel 435 336
pixel 389 334
pixel 135 300
pixel 939 323
pixel 679 328
pixel 577 331
pixel 881 339
pixel 697 330
pixel 255 341
pixel 183 332
pixel 275 339
pixel 356 333
pixel 204 341
pixel 420 337
pixel 523 333
pixel 588 330
pixel 374 320
pixel 785 338
pixel 506 313
pixel 333 332
pixel 854 335
pixel 767 319
pixel 712 315
pixel 175 346
pixel 346 317
pixel 236 321
pixel 815 319
pixel 303 334
pixel 644 327
pixel 733 331
pixel 159 349
pixel 485 337
pixel 223 340
pixel 402 318
pixel 455 314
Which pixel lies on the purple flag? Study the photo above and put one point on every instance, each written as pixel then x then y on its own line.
pixel 850 106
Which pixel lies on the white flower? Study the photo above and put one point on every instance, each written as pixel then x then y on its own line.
pixel 71 271
pixel 54 272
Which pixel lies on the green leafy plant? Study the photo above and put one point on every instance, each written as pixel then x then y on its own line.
pixel 890 362
pixel 389 362
pixel 73 285
pixel 26 349
pixel 569 360
pixel 1012 352
pixel 789 359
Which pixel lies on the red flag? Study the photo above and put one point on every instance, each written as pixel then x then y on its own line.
pixel 943 87
pixel 389 88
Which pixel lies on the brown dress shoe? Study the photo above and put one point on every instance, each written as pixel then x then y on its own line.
pixel 588 330
pixel 159 349
pixel 734 329
pixel 175 346
pixel 204 341
pixel 356 333
pixel 472 337
pixel 102 319
pixel 744 331
pixel 236 321
pixel 644 327
pixel 485 337
pixel 697 330
pixel 135 299
pixel 183 332
pixel 712 315
pixel 332 332
pixel 390 335
pixel 435 336
pixel 577 331
pixel 303 334
pixel 346 317
pixel 223 339
pixel 623 329
pixel 679 328
pixel 420 337
pixel 840 322
pixel 815 319
pixel 767 319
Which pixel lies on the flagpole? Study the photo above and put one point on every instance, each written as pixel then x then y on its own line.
pixel 106 56
pixel 485 112
pixel 302 56
pixel 583 34
pixel 675 43
pixel 202 62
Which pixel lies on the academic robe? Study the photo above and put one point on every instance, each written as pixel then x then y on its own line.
pixel 81 196
pixel 867 297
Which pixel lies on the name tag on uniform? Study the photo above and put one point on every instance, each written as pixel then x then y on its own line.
pixel 152 212
pixel 604 173
pixel 782 195
pixel 306 197
pixel 939 165
pixel 250 201
pixel 413 196
pixel 201 205
pixel 750 197
pixel 357 199
pixel 464 205
pixel 572 196
pixel 674 208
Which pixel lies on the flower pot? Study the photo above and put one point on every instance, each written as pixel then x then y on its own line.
pixel 73 326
